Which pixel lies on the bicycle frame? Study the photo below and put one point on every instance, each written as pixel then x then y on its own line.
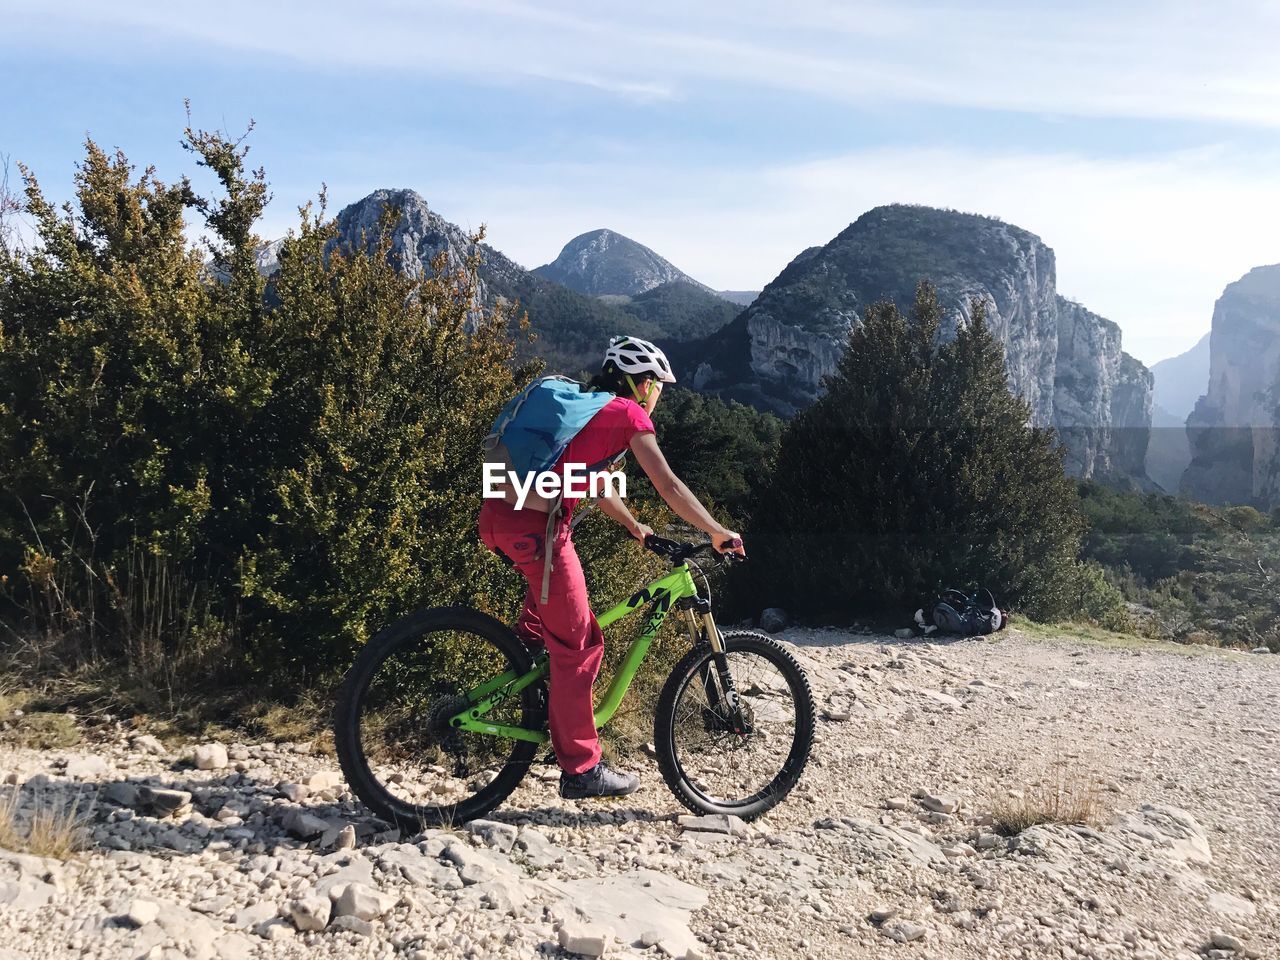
pixel 662 595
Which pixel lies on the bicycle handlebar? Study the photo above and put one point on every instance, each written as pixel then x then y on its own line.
pixel 678 551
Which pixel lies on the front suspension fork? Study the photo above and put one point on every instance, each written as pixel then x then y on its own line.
pixel 722 695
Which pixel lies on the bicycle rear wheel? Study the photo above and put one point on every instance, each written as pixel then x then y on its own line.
pixel 709 765
pixel 391 730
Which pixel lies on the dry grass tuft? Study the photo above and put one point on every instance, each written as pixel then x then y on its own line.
pixel 42 731
pixel 308 719
pixel 54 829
pixel 1063 795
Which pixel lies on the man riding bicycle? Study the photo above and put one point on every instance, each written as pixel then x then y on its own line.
pixel 540 545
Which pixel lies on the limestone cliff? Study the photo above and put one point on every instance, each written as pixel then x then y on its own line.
pixel 1086 373
pixel 1064 360
pixel 1232 428
pixel 1131 412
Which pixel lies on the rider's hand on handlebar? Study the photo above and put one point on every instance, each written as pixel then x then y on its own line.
pixel 641 530
pixel 726 541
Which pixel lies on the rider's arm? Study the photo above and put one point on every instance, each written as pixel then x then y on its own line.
pixel 613 508
pixel 672 489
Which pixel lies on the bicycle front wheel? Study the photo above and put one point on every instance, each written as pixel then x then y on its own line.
pixel 391 731
pixel 716 760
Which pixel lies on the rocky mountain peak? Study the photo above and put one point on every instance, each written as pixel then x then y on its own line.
pixel 1065 361
pixel 603 262
pixel 415 216
pixel 571 327
pixel 1259 284
pixel 419 235
pixel 798 324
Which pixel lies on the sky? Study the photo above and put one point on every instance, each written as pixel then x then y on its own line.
pixel 1140 140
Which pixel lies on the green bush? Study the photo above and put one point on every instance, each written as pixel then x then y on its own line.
pixel 1096 600
pixel 302 467
pixel 200 479
pixel 915 471
pixel 1247 518
pixel 1205 574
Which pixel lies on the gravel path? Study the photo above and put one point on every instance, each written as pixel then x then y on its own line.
pixel 887 847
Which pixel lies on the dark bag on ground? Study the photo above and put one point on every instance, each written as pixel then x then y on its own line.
pixel 965 614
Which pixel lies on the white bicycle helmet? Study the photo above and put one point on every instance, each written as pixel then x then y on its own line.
pixel 635 356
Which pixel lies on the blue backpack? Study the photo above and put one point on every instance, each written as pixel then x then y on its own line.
pixel 537 424
pixel 532 432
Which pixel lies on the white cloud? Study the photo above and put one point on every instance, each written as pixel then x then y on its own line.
pixel 1173 59
pixel 1149 242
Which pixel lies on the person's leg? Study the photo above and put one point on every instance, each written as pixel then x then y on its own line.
pixel 565 623
pixel 501 526
pixel 575 647
pixel 529 626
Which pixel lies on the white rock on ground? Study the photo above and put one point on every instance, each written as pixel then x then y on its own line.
pixel 346 838
pixel 588 940
pixel 904 931
pixel 148 744
pixel 882 913
pixel 323 780
pixel 86 768
pixel 940 803
pixel 211 756
pixel 357 900
pixel 293 792
pixel 310 913
pixel 500 836
pixel 637 903
pixel 1221 940
pixel 142 912
pixel 715 823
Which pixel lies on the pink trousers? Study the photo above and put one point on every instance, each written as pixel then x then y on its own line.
pixel 564 624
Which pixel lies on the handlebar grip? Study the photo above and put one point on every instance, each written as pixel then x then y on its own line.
pixel 730 546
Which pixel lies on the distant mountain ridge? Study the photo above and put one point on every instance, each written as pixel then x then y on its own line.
pixel 1182 380
pixel 571 327
pixel 1179 382
pixel 1063 359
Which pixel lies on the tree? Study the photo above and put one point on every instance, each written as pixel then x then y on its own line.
pixel 915 471
pixel 722 449
pixel 180 455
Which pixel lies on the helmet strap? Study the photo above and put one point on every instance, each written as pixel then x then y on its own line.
pixel 635 392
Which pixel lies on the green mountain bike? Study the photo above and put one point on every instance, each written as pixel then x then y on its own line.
pixel 443 712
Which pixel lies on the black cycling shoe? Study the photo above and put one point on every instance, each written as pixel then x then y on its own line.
pixel 599 781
